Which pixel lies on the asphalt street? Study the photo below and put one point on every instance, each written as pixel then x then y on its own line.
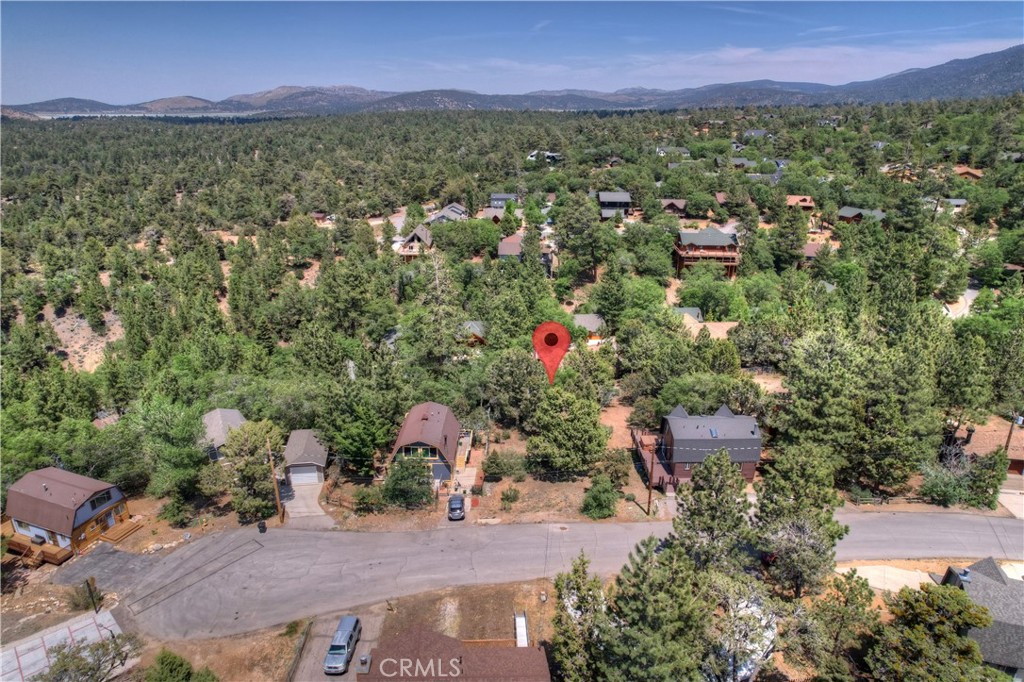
pixel 238 581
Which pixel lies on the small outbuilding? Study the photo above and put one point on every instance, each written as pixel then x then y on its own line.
pixel 305 458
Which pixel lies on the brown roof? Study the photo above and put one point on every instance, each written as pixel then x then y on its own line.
pixel 991 436
pixel 811 249
pixel 49 498
pixel 433 424
pixel 798 200
pixel 440 656
pixel 511 246
pixel 679 204
pixel 962 169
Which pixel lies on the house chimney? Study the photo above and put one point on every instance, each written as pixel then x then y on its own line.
pixel 965 577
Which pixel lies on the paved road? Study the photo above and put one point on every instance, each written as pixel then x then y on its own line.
pixel 238 581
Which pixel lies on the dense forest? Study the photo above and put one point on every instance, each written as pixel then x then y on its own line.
pixel 202 250
pixel 196 236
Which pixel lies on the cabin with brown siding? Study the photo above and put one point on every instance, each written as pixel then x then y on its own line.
pixel 64 510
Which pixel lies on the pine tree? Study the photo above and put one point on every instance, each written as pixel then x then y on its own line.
pixel 825 377
pixel 610 297
pixel 569 437
pixel 927 639
pixel 799 484
pixel 580 615
pixel 711 522
pixel 827 634
pixel 660 613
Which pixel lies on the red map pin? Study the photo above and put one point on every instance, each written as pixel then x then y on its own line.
pixel 551 341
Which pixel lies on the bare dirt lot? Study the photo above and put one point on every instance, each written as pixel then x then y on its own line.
pixel 262 656
pixel 478 612
pixel 83 346
pixel 156 531
pixel 31 603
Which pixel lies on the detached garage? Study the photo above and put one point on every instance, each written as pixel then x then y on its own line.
pixel 305 458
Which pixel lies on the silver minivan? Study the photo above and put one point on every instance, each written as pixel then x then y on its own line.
pixel 343 645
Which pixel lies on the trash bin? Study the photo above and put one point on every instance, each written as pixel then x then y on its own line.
pixel 262 525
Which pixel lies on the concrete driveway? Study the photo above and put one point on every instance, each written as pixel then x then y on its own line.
pixel 311 666
pixel 302 502
pixel 891 578
pixel 238 581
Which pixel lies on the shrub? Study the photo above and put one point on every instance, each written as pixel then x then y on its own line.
pixel 79 599
pixel 941 486
pixel 860 495
pixel 369 500
pixel 973 483
pixel 170 667
pixel 500 464
pixel 630 497
pixel 616 465
pixel 985 478
pixel 509 497
pixel 601 498
pixel 292 628
pixel 408 484
pixel 177 512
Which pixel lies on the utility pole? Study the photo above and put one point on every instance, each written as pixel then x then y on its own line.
pixel 650 481
pixel 273 477
pixel 1009 434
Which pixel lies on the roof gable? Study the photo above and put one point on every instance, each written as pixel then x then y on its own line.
pixel 433 424
pixel 692 438
pixel 219 422
pixel 422 234
pixel 49 497
pixel 304 448
pixel 987 585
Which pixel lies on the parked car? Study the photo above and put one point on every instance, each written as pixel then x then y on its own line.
pixel 456 508
pixel 343 645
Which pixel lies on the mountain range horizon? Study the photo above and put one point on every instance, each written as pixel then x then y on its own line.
pixel 987 75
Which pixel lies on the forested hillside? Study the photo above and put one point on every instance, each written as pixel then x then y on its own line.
pixel 196 238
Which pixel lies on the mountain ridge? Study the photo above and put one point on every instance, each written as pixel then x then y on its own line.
pixel 987 75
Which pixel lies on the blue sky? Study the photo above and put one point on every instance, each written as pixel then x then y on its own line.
pixel 128 52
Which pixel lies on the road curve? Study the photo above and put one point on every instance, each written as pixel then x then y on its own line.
pixel 238 581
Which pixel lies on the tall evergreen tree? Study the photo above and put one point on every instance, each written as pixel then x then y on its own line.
pixel 712 522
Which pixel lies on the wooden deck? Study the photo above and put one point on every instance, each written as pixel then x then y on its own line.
pixel 646 444
pixel 33 555
pixel 119 532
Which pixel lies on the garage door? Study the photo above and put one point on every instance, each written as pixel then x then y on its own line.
pixel 302 474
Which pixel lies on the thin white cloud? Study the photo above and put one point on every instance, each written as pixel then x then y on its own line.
pixel 540 25
pixel 822 29
pixel 829 64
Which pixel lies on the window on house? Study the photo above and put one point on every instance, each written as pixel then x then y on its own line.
pixel 100 500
